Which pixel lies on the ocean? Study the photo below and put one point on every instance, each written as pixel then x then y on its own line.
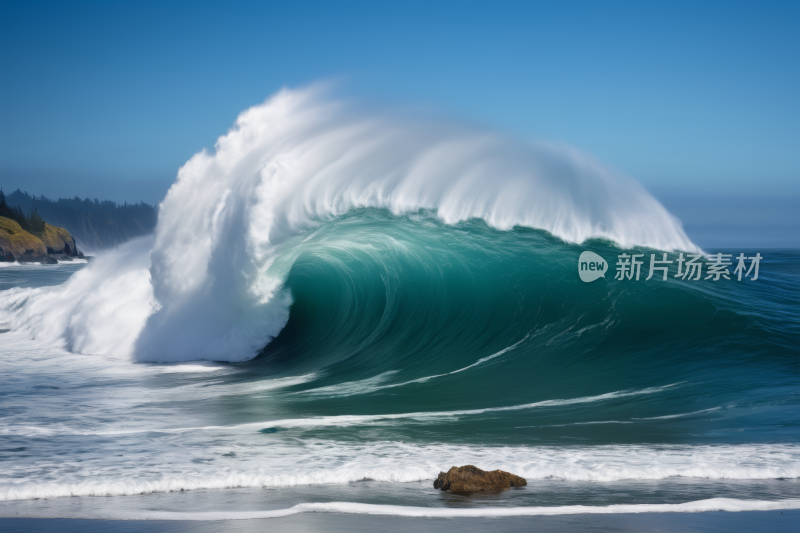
pixel 299 337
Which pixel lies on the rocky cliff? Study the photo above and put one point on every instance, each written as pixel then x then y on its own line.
pixel 58 241
pixel 16 244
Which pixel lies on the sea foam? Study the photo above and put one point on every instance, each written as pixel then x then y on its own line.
pixel 699 506
pixel 321 462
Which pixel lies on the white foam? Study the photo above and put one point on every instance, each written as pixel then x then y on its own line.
pixel 680 415
pixel 121 396
pixel 428 416
pixel 476 363
pixel 699 506
pixel 631 421
pixel 351 388
pixel 733 505
pixel 99 310
pixel 293 462
pixel 37 265
pixel 179 368
pixel 216 390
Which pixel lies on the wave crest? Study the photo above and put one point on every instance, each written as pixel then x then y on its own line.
pixel 301 158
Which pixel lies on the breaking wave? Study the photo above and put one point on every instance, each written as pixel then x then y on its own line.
pixel 212 284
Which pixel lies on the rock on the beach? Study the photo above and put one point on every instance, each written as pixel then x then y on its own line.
pixel 472 479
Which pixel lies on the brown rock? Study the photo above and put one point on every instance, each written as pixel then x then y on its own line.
pixel 472 479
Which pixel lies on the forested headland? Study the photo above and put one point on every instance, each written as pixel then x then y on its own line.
pixel 95 224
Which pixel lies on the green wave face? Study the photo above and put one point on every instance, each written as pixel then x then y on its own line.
pixel 491 336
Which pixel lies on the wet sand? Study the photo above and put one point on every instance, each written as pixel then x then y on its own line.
pixel 773 521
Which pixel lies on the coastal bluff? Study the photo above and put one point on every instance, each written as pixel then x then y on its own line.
pixel 17 244
pixel 470 478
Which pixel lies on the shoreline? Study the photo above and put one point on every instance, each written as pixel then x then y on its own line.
pixel 711 521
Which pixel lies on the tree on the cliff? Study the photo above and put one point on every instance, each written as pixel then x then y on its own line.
pixel 35 223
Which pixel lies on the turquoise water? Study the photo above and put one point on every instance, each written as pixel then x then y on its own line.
pixel 412 346
pixel 399 311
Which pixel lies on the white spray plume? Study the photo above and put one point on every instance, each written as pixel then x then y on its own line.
pixel 99 310
pixel 301 157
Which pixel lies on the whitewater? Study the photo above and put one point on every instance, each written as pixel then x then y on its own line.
pixel 338 303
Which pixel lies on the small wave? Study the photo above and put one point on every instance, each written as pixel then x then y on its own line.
pixel 185 393
pixel 353 420
pixel 351 388
pixel 330 462
pixel 196 392
pixel 699 506
pixel 631 421
pixel 680 415
pixel 579 424
pixel 476 363
pixel 374 384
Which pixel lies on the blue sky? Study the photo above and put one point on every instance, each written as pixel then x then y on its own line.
pixel 696 100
